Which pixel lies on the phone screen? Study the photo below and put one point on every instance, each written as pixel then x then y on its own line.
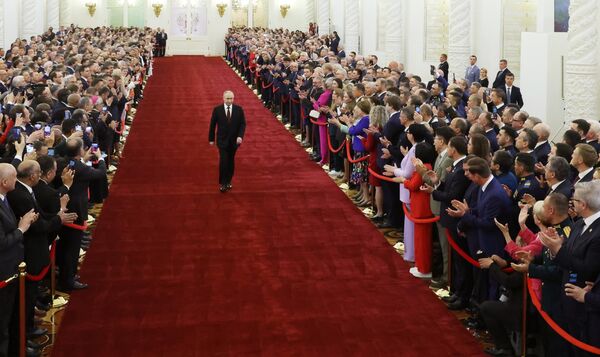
pixel 71 164
pixel 29 148
pixel 47 130
pixel 50 151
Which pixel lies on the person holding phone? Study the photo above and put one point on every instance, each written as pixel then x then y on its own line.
pixel 230 124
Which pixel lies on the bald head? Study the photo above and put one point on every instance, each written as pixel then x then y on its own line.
pixel 28 172
pixel 8 177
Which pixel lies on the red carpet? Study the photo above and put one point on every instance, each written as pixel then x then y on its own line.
pixel 179 269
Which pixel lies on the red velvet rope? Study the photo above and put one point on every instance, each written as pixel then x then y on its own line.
pixel 267 86
pixel 353 161
pixel 381 177
pixel 5 283
pixel 335 151
pixel 123 116
pixel 564 334
pixel 44 271
pixel 466 256
pixel 319 123
pixel 419 220
pixel 77 226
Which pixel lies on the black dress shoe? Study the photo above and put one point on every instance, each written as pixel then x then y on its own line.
pixel 385 224
pixel 476 324
pixel 450 299
pixel 42 306
pixel 438 284
pixel 228 186
pixel 32 352
pixel 77 285
pixel 500 352
pixel 223 188
pixel 376 219
pixel 459 304
pixel 35 346
pixel 37 332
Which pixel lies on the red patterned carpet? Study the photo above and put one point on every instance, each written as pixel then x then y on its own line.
pixel 284 265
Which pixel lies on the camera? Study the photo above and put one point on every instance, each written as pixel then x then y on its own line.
pixel 480 254
pixel 94 147
pixel 47 130
pixel 16 134
pixel 432 70
pixel 71 164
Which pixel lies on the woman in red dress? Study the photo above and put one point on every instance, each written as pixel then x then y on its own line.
pixel 420 208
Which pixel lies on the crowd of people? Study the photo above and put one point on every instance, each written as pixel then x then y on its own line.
pixel 499 184
pixel 64 99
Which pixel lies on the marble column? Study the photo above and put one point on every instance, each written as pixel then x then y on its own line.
pixel 582 88
pixel 65 13
pixel 2 25
pixel 33 16
pixel 459 36
pixel 394 32
pixel 53 13
pixel 323 16
pixel 310 11
pixel 351 25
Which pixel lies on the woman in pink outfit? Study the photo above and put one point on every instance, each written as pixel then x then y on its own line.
pixel 322 105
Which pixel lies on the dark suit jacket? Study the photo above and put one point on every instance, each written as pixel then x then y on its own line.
pixel 453 188
pixel 391 130
pixel 37 254
pixel 595 144
pixel 227 131
pixel 515 96
pixel 542 152
pixel 445 68
pixel 500 81
pixel 11 243
pixel 48 200
pixel 587 178
pixel 592 307
pixel 492 203
pixel 580 255
pixel 78 193
pixel 566 188
pixel 491 136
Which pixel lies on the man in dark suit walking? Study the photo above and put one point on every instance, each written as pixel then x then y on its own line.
pixel 11 252
pixel 444 65
pixel 500 80
pixel 231 125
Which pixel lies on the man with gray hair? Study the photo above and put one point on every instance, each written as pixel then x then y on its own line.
pixel 591 138
pixel 542 148
pixel 578 256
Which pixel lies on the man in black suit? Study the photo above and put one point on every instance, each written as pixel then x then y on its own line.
pixel 162 43
pixel 231 125
pixel 513 93
pixel 444 65
pixel 557 173
pixel 37 256
pixel 500 80
pixel 68 246
pixel 453 188
pixel 11 252
pixel 578 256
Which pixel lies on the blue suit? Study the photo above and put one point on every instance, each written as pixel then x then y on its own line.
pixel 472 74
pixel 492 203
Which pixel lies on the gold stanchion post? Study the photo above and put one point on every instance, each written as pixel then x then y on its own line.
pixel 22 338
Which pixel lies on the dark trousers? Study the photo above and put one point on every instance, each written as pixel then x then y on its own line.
pixel 162 49
pixel 8 302
pixel 226 164
pixel 67 255
pixel 31 295
pixel 391 203
pixel 462 271
pixel 501 318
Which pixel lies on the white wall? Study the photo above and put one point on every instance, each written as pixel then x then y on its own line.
pixel 11 23
pixel 295 18
pixel 415 35
pixel 541 76
pixel 487 35
pixel 81 17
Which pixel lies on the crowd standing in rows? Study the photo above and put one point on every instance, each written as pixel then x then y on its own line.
pixel 64 98
pixel 506 189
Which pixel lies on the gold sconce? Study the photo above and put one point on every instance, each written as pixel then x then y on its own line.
pixel 284 9
pixel 91 6
pixel 157 9
pixel 221 8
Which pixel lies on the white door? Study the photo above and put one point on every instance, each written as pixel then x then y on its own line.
pixel 188 28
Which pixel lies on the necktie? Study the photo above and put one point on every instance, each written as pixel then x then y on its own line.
pixel 508 94
pixel 228 114
pixel 7 207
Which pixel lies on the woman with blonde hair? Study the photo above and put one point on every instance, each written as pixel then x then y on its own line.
pixel 377 119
